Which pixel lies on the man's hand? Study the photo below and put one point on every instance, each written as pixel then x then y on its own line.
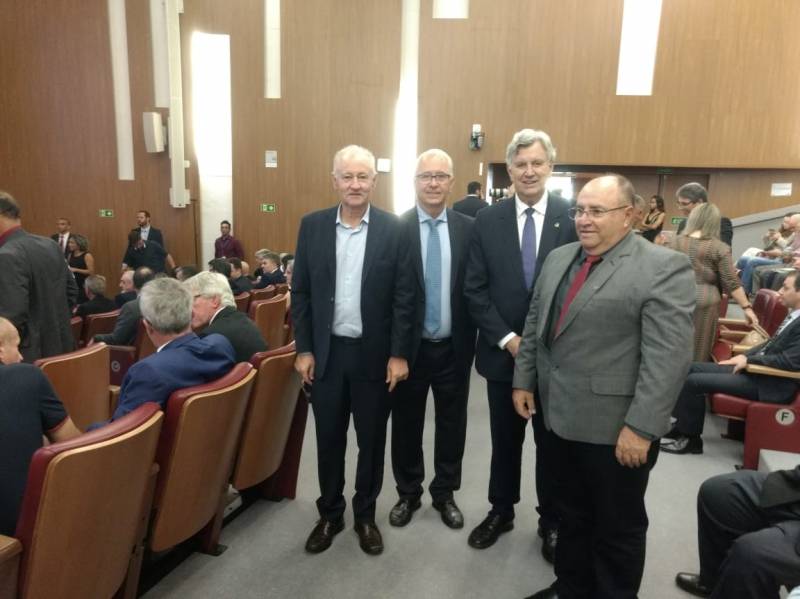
pixel 631 448
pixel 396 371
pixel 738 362
pixel 304 364
pixel 523 403
pixel 513 345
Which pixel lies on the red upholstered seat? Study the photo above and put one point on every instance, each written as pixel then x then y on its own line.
pixel 730 406
pixel 82 512
pixel 125 356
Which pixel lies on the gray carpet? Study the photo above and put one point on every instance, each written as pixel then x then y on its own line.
pixel 426 559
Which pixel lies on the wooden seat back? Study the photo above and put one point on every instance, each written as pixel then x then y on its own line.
pixel 270 317
pixel 99 324
pixel 242 301
pixel 261 294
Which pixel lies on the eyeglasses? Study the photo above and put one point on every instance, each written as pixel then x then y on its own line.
pixel 592 213
pixel 684 203
pixel 428 177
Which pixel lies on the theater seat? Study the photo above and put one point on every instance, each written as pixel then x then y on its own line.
pixel 274 426
pixel 125 356
pixel 242 301
pixel 82 513
pixel 98 324
pixel 730 332
pixel 261 294
pixel 76 324
pixel 281 288
pixel 270 318
pixel 81 380
pixel 766 425
pixel 195 453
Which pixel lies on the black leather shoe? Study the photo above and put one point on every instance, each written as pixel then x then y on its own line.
pixel 485 534
pixel 451 515
pixel 322 535
pixel 683 444
pixel 548 593
pixel 402 511
pixel 549 542
pixel 691 584
pixel 369 537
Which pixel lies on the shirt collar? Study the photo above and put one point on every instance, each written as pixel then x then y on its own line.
pixel 4 236
pixel 424 216
pixel 364 219
pixel 221 308
pixel 540 206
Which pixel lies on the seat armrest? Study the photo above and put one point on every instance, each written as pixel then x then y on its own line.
pixel 113 398
pixel 10 554
pixel 732 335
pixel 740 349
pixel 759 369
pixel 735 323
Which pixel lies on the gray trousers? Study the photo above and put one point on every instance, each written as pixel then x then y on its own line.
pixel 746 551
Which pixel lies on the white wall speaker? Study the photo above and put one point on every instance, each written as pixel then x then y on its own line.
pixel 153 132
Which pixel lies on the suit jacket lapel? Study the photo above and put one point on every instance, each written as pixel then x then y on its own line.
pixel 328 241
pixel 548 294
pixel 374 233
pixel 510 237
pixel 455 234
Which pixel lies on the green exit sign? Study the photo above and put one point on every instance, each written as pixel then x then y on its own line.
pixel 268 208
pixel 106 213
pixel 676 220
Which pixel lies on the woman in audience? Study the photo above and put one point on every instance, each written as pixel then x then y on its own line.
pixel 713 271
pixel 654 220
pixel 81 262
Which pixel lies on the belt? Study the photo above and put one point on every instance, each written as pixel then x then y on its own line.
pixel 347 340
pixel 442 340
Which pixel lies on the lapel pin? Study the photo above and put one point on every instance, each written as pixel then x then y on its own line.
pixel 557 225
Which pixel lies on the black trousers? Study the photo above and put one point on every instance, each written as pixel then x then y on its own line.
pixel 508 435
pixel 707 377
pixel 746 551
pixel 344 389
pixel 603 529
pixel 435 368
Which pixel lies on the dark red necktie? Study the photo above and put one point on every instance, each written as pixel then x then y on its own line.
pixel 577 283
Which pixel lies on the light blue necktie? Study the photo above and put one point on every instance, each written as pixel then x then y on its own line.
pixel 433 281
pixel 529 248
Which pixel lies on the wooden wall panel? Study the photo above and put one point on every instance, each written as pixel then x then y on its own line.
pixel 57 137
pixel 744 192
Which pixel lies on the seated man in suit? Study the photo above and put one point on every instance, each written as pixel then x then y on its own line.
pixel 220 265
pixel 749 535
pixel 29 409
pixel 186 272
pixel 127 291
pixel 271 273
pixel 239 283
pixel 127 324
pixel 182 359
pixel 95 288
pixel 214 311
pixel 782 351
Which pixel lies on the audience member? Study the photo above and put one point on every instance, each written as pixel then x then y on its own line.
pixel 97 303
pixel 63 235
pixel 226 245
pixel 239 283
pixel 606 360
pixel 29 410
pixel 639 211
pixel 730 376
pixel 654 220
pixel 347 348
pixel 289 272
pixel 285 258
pixel 774 240
pixel 214 311
pixel 81 262
pixel 259 255
pixel 499 284
pixel 713 273
pixel 690 195
pixel 774 257
pixel 442 347
pixel 221 266
pixel 37 290
pixel 472 202
pixel 748 532
pixel 144 253
pixel 186 272
pixel 182 360
pixel 245 269
pixel 127 324
pixel 127 291
pixel 146 231
pixel 271 271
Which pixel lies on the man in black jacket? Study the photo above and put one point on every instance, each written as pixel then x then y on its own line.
pixel 214 311
pixel 729 376
pixel 749 536
pixel 510 242
pixel 472 202
pixel 352 298
pixel 95 287
pixel 127 324
pixel 690 195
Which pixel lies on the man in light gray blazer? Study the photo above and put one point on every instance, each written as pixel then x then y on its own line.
pixel 606 345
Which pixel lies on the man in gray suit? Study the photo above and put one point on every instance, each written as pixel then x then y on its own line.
pixel 37 290
pixel 607 359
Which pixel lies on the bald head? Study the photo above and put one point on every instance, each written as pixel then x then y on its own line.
pixel 604 211
pixel 9 343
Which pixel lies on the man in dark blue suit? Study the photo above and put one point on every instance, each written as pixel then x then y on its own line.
pixel 510 242
pixel 352 298
pixel 182 358
pixel 442 347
